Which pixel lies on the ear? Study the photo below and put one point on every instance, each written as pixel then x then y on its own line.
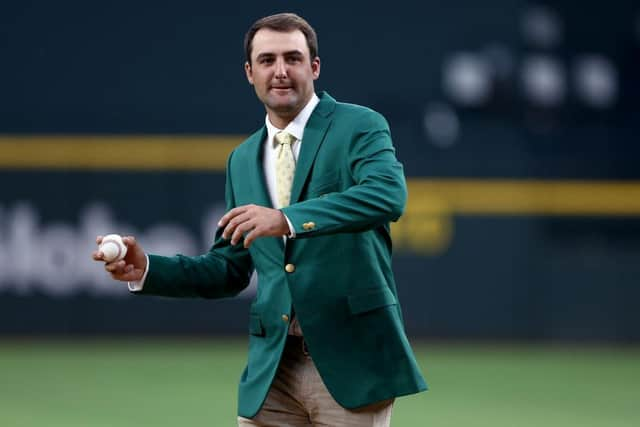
pixel 249 72
pixel 315 68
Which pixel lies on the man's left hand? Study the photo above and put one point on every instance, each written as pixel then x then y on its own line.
pixel 253 221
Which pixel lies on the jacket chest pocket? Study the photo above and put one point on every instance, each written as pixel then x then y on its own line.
pixel 323 184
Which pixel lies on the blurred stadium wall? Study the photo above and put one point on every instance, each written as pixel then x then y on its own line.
pixel 517 123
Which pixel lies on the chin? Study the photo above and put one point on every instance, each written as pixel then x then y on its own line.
pixel 283 106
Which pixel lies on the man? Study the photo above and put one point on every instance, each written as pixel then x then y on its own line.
pixel 309 199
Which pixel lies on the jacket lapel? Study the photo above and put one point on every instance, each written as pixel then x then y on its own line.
pixel 258 184
pixel 256 171
pixel 314 134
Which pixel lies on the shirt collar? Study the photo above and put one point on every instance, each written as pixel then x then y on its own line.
pixel 297 125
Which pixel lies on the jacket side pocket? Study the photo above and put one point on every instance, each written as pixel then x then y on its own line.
pixel 372 300
pixel 255 326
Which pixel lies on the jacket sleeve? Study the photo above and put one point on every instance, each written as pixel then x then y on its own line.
pixel 379 192
pixel 223 271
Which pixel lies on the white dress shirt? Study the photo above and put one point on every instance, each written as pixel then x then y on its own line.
pixel 270 151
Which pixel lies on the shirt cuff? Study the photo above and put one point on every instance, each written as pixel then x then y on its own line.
pixel 292 231
pixel 137 286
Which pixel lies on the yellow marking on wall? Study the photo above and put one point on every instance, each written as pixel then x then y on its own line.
pixel 427 196
pixel 426 227
pixel 116 152
pixel 526 196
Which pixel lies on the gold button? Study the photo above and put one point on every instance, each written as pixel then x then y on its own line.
pixel 285 318
pixel 289 268
pixel 309 225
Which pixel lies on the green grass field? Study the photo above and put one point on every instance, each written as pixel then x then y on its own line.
pixel 109 383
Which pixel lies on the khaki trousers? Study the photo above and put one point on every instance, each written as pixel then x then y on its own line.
pixel 299 398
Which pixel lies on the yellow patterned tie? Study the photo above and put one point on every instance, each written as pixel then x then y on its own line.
pixel 285 167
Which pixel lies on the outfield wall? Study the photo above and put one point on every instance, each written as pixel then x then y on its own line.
pixel 520 147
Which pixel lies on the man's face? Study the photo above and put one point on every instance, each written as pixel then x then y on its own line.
pixel 282 71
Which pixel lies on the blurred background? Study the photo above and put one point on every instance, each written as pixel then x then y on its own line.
pixel 516 261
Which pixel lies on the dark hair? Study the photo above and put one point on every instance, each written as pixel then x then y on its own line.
pixel 283 22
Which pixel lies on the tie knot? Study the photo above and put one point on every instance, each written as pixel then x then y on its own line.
pixel 283 137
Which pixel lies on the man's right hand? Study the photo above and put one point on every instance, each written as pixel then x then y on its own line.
pixel 129 269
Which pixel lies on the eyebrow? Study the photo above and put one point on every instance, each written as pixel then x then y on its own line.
pixel 287 53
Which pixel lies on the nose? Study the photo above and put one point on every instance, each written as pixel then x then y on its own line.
pixel 281 69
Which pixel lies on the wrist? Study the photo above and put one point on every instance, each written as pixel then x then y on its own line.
pixel 287 229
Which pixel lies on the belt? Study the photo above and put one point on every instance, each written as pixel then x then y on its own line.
pixel 298 342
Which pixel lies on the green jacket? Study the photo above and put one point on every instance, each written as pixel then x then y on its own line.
pixel 337 272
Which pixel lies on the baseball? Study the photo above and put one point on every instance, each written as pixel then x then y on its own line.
pixel 112 248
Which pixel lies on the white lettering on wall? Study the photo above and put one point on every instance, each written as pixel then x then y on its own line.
pixel 54 259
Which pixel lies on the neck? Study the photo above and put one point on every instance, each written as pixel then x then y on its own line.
pixel 281 120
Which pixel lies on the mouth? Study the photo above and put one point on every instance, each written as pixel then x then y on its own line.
pixel 281 88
